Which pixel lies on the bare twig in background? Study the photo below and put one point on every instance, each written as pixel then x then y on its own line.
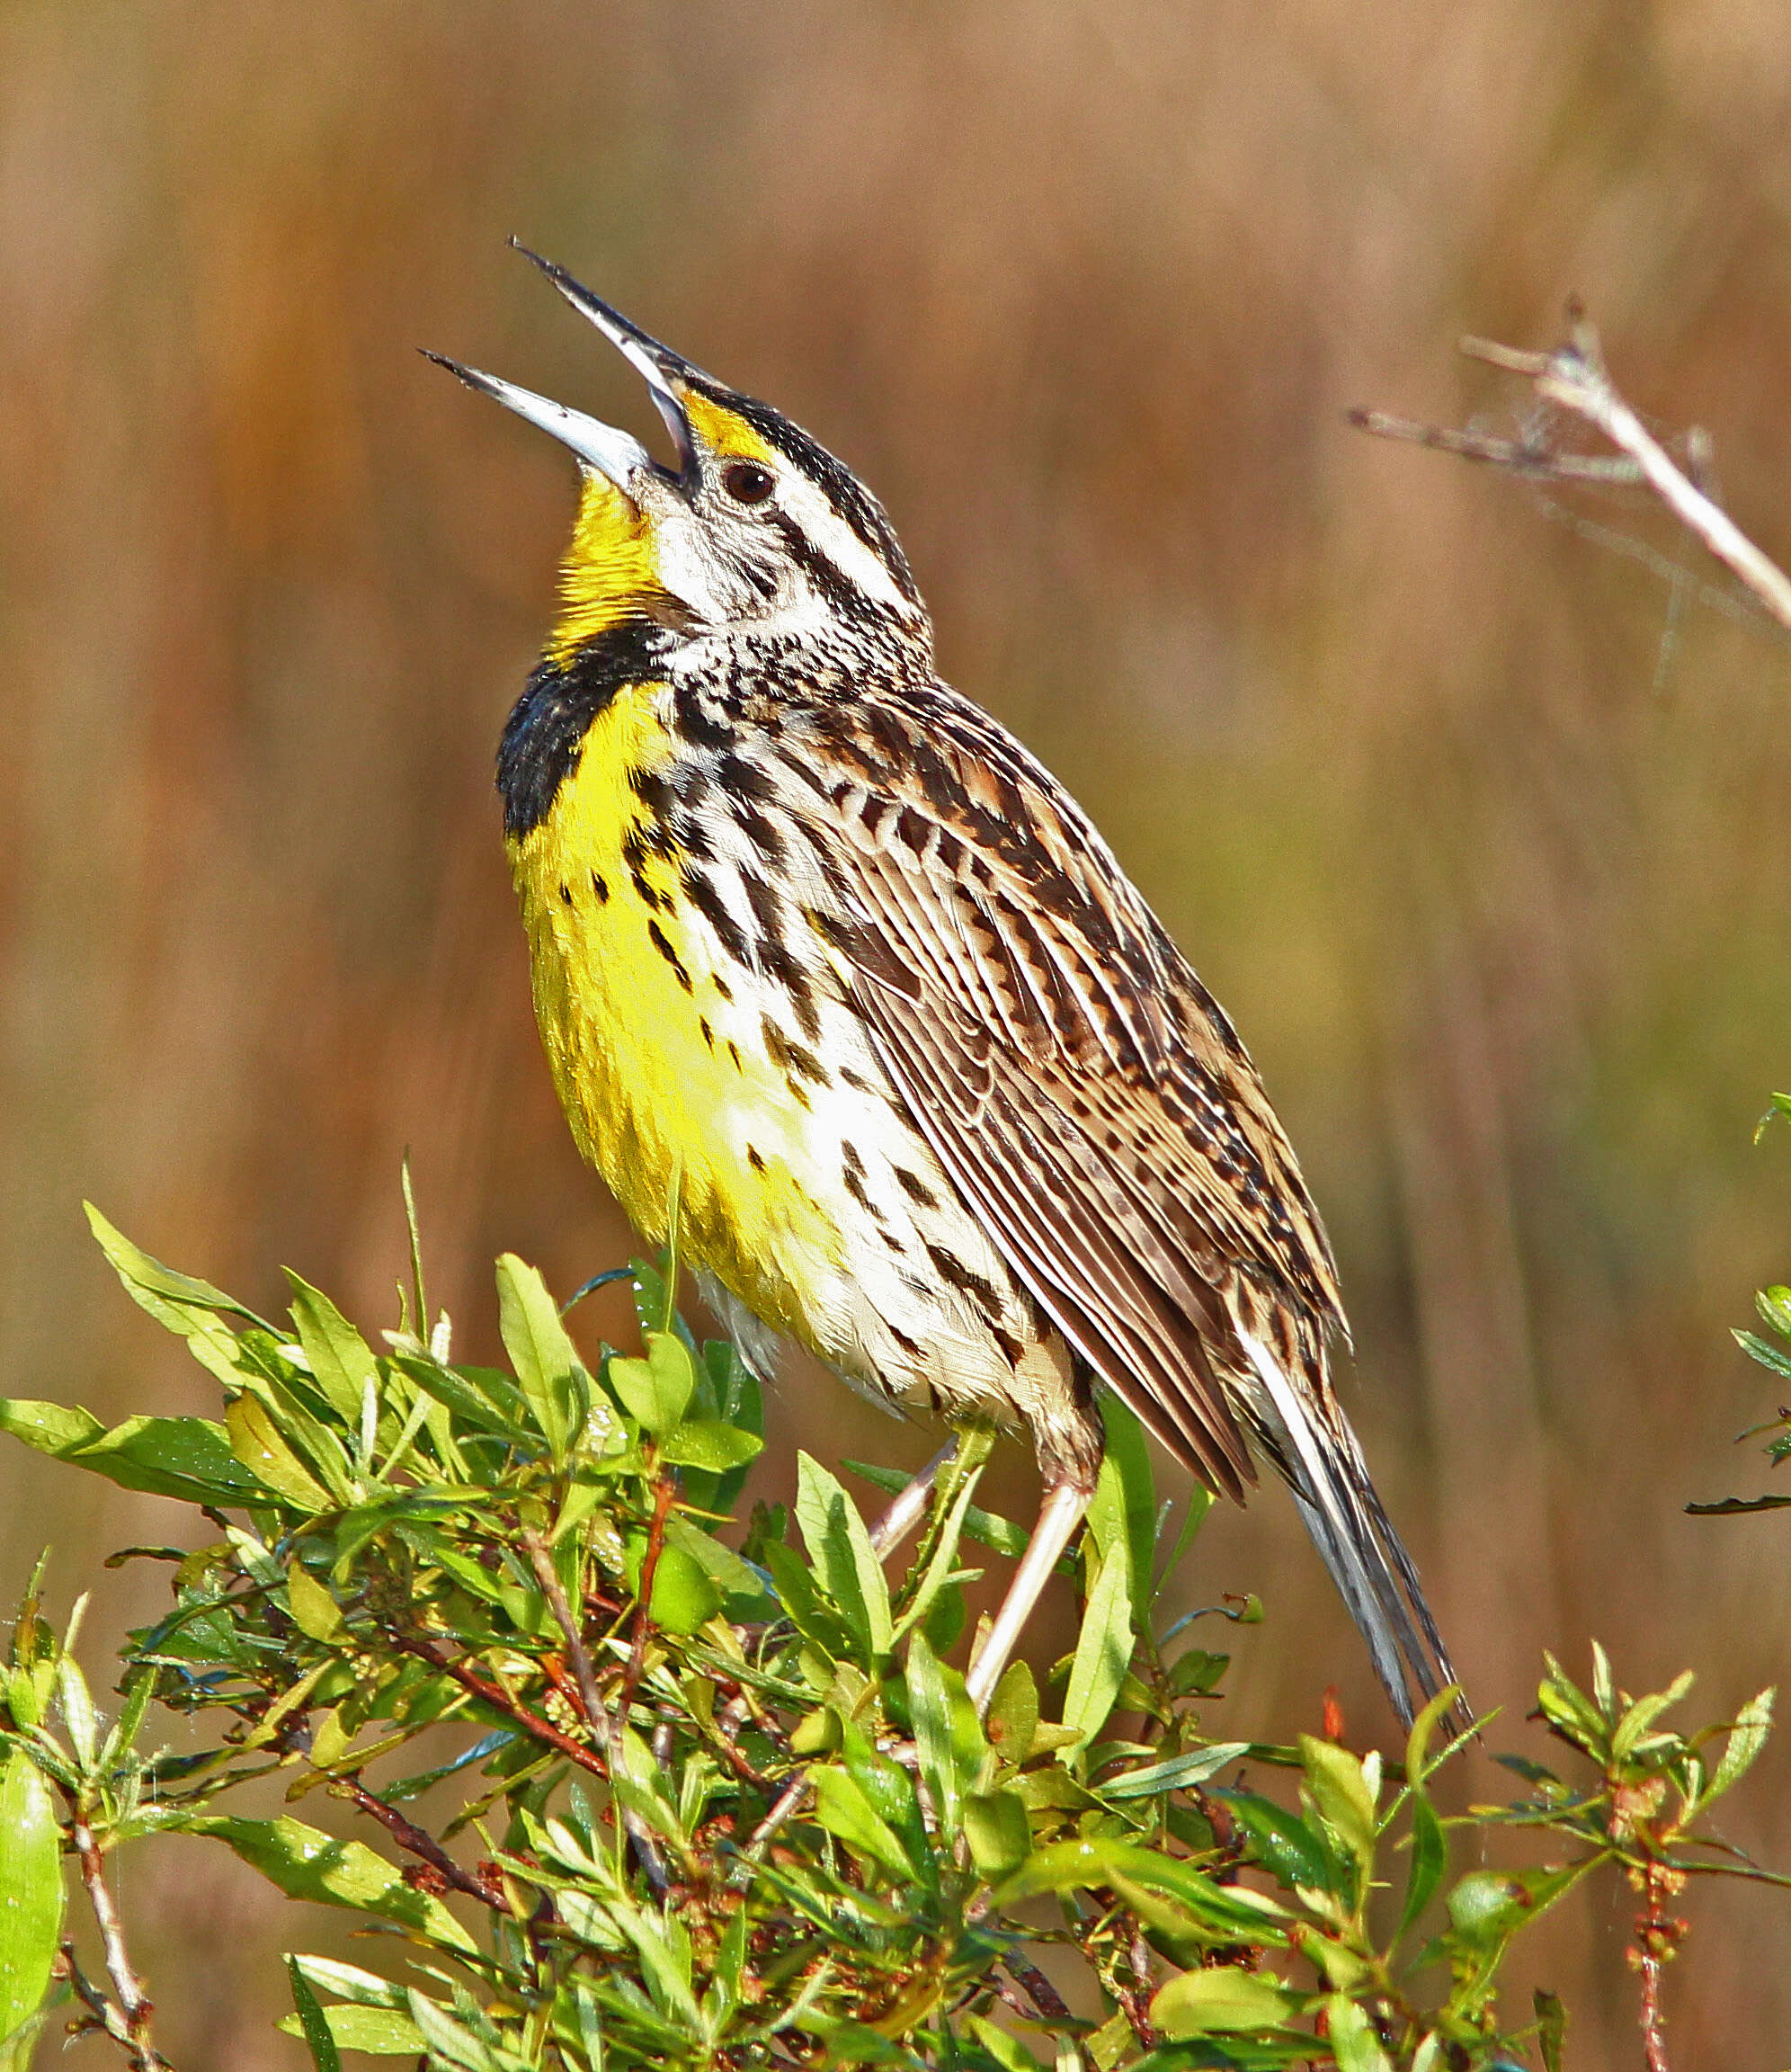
pixel 1573 378
pixel 128 2022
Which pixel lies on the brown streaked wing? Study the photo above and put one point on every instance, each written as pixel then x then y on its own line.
pixel 1062 1231
pixel 1062 1061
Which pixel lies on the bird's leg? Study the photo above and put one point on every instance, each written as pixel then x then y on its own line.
pixel 1065 1502
pixel 905 1514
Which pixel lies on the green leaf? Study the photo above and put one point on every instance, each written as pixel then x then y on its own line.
pixel 350 1982
pixel 1633 1729
pixel 1341 1791
pixel 190 1457
pixel 478 1396
pixel 305 1863
pixel 186 1458
pixel 739 1403
pixel 840 1546
pixel 53 1428
pixel 1235 1910
pixel 341 1361
pixel 1013 1713
pixel 1429 1860
pixel 380 2031
pixel 187 1307
pixel 1418 1764
pixel 707 1443
pixel 930 1708
pixel 843 1809
pixel 1746 1738
pixel 1125 1498
pixel 1551 2027
pixel 1487 1907
pixel 890 1793
pixel 656 1391
pixel 1738 1507
pixel 1177 1773
pixel 549 1369
pixel 314 1611
pixel 653 1298
pixel 999 1833
pixel 138 1690
pixel 256 1443
pixel 1353 2041
pixel 803 1604
pixel 318 2040
pixel 1199 1502
pixel 1774 1304
pixel 18 2050
pixel 78 1714
pixel 663 1945
pixel 1281 1841
pixel 1008 2053
pixel 1767 1353
pixel 451 2042
pixel 941 1571
pixel 684 1594
pixel 1220 2000
pixel 1564 1705
pixel 743 1588
pixel 30 1890
pixel 1103 1649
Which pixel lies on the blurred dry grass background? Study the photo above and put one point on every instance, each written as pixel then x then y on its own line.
pixel 1481 836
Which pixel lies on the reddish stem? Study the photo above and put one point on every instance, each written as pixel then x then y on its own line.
pixel 1651 1929
pixel 649 1569
pixel 421 1844
pixel 483 1687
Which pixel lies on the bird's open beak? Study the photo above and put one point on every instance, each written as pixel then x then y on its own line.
pixel 617 455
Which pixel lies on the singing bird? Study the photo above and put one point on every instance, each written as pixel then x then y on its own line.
pixel 816 939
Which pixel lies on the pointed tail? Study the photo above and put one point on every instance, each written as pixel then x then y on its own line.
pixel 1355 1537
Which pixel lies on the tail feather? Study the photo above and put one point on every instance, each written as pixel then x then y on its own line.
pixel 1342 1512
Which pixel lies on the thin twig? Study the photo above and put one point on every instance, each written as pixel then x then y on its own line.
pixel 495 1695
pixel 1530 456
pixel 134 2004
pixel 423 1845
pixel 103 2014
pixel 1657 1934
pixel 759 1840
pixel 542 1562
pixel 649 1570
pixel 1573 378
pixel 1576 380
pixel 1045 1996
pixel 719 1739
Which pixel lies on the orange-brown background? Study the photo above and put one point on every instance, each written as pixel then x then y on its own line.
pixel 1481 839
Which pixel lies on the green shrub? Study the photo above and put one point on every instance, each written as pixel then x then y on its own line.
pixel 716 1798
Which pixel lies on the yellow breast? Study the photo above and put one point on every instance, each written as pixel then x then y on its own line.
pixel 655 1039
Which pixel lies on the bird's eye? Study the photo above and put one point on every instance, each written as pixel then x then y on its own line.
pixel 746 482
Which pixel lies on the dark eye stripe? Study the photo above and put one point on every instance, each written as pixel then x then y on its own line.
pixel 828 577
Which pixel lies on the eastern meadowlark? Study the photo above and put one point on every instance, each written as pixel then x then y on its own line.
pixel 815 937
